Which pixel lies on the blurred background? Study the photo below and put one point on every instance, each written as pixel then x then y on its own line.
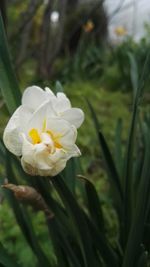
pixel 48 39
pixel 95 48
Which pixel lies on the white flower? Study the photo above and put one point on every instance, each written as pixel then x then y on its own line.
pixel 59 105
pixel 42 131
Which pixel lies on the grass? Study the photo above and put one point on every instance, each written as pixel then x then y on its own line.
pixel 109 107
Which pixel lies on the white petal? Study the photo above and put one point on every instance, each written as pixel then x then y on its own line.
pixel 74 115
pixel 58 168
pixel 28 168
pixel 57 125
pixel 58 161
pixel 62 128
pixel 33 97
pixel 28 151
pixel 37 162
pixel 60 154
pixel 16 125
pixel 39 116
pixel 74 152
pixel 49 92
pixel 43 172
pixel 35 159
pixel 69 138
pixel 61 103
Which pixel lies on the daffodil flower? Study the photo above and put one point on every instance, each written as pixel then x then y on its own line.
pixel 42 131
pixel 59 105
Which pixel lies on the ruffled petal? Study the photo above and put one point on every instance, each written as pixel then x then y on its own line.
pixel 34 158
pixel 61 103
pixel 57 168
pixel 40 116
pixel 74 151
pixel 16 125
pixel 57 125
pixel 74 116
pixel 49 92
pixel 34 96
pixel 37 161
pixel 69 138
pixel 65 133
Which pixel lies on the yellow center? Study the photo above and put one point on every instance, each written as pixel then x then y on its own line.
pixel 35 136
pixel 36 139
pixel 55 138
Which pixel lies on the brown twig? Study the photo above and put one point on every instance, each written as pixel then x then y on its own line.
pixel 28 194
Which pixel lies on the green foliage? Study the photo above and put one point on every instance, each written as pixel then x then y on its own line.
pixel 8 83
pixel 76 234
pixel 108 105
pixel 111 66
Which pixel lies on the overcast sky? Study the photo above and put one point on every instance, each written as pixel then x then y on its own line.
pixel 132 15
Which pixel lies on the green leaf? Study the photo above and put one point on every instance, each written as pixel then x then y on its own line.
pixel 59 87
pixel 118 148
pixel 69 174
pixel 8 82
pixel 85 228
pixel 6 259
pixel 61 245
pixel 133 73
pixel 58 226
pixel 140 213
pixel 111 168
pixel 2 151
pixel 94 204
pixel 23 218
pixel 129 157
pixel 94 117
pixel 101 244
pixel 98 232
pixel 112 172
pixel 78 219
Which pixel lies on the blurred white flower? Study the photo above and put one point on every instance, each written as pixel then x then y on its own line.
pixel 43 131
pixel 54 18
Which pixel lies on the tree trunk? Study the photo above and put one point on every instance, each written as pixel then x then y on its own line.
pixel 51 39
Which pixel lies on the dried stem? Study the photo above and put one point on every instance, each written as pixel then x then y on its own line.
pixel 28 194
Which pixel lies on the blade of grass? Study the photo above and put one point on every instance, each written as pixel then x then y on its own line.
pixel 78 218
pixel 128 170
pixel 70 173
pixel 8 83
pixel 133 72
pixel 94 204
pixel 118 148
pixel 140 214
pixel 112 172
pixel 61 245
pixel 111 168
pixel 82 224
pixel 101 243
